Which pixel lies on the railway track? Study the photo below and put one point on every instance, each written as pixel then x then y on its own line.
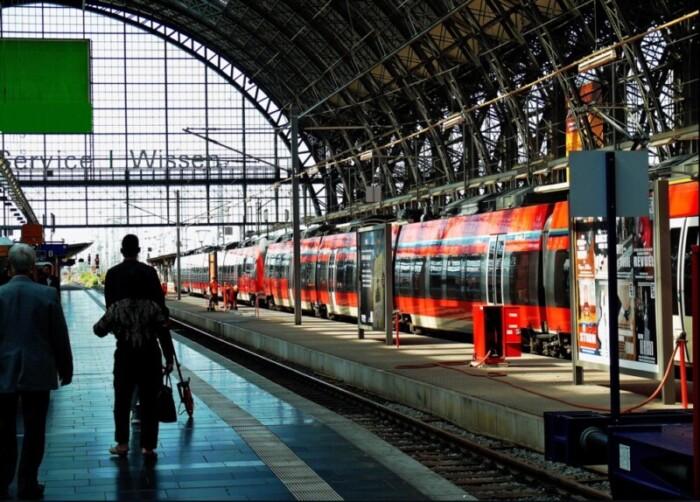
pixel 493 471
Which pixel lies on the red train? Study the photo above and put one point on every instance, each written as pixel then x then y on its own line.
pixel 442 268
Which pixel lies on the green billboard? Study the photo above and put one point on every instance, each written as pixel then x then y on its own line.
pixel 45 86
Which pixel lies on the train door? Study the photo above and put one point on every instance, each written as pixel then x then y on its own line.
pixel 322 280
pixel 332 305
pixel 494 270
pixel 684 234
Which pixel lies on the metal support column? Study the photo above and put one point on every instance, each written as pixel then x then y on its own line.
pixel 388 284
pixel 178 276
pixel 695 271
pixel 613 307
pixel 577 370
pixel 295 218
pixel 663 277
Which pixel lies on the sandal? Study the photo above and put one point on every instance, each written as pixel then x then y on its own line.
pixel 119 450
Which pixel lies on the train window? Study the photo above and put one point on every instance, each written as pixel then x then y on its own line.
pixel 287 267
pixel 402 279
pixel 562 266
pixel 270 263
pixel 350 275
pixel 322 274
pixel 338 276
pixel 436 276
pixel 343 276
pixel 471 265
pixel 675 243
pixel 249 265
pixel 304 273
pixel 521 277
pixel 692 239
pixel 418 277
pixel 453 278
pixel 279 266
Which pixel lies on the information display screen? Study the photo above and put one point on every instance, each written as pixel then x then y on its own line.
pixel 372 259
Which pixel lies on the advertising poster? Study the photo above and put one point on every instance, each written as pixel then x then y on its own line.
pixel 585 258
pixel 585 272
pixel 635 297
pixel 625 319
pixel 645 297
pixel 600 251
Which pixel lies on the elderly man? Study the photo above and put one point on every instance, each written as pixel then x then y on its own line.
pixel 34 351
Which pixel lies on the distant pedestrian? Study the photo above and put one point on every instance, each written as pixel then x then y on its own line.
pixel 213 294
pixel 4 275
pixel 137 316
pixel 35 353
pixel 50 279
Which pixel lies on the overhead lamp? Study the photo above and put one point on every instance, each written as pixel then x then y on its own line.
pixel 276 185
pixel 452 121
pixel 367 155
pixel 597 59
pixel 312 171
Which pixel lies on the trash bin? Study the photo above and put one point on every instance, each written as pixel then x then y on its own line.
pixel 496 333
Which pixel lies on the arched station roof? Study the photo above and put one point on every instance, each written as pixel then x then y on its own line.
pixel 366 72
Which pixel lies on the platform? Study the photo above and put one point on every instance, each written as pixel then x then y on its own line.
pixel 503 402
pixel 249 439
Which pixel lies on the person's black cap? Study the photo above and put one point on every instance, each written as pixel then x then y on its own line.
pixel 130 246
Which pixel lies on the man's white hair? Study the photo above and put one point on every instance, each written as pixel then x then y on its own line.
pixel 22 258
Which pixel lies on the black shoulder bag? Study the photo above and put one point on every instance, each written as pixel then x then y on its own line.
pixel 166 403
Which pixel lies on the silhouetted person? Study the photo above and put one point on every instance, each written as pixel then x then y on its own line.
pixel 137 315
pixel 34 353
pixel 132 271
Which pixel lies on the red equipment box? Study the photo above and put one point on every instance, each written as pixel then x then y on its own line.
pixel 496 333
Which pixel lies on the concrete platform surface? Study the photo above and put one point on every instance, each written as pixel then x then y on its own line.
pixel 427 373
pixel 250 439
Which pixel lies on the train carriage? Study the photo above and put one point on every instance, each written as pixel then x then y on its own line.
pixel 244 267
pixel 194 269
pixel 444 268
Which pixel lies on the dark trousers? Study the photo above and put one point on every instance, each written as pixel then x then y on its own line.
pixel 134 369
pixel 35 406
